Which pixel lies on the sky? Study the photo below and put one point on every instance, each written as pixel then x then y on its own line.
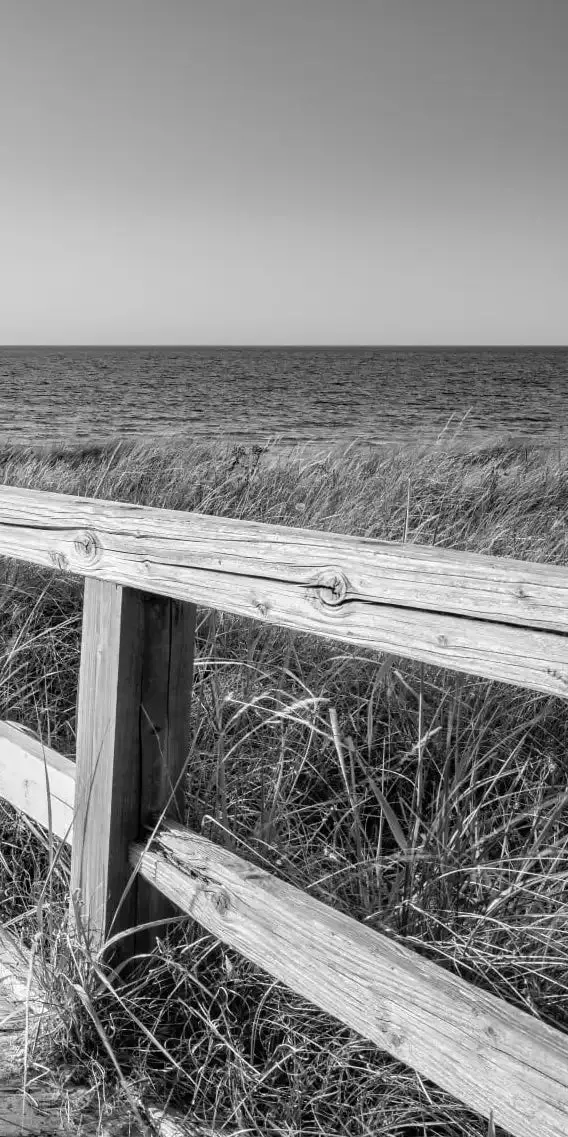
pixel 283 171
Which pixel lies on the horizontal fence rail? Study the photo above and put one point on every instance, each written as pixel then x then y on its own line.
pixel 492 1056
pixel 37 780
pixel 146 570
pixel 495 617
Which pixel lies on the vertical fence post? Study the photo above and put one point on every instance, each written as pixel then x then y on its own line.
pixel 132 740
pixel 167 677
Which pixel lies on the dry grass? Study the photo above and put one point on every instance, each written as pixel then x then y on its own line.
pixel 428 805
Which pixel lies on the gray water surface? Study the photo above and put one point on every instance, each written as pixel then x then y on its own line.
pixel 372 395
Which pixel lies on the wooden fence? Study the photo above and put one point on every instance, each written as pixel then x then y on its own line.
pixel 146 570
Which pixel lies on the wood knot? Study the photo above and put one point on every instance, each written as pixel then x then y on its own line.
pixel 87 547
pixel 222 903
pixel 332 586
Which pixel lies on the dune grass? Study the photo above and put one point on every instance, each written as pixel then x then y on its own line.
pixel 296 744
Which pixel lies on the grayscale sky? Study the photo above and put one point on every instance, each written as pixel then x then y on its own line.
pixel 284 171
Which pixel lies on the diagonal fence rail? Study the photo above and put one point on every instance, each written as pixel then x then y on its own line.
pixel 146 571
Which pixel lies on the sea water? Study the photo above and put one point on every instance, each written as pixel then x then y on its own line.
pixel 252 395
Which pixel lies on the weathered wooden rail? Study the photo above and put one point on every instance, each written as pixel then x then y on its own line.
pixel 146 570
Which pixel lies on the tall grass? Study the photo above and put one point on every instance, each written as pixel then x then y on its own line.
pixel 432 807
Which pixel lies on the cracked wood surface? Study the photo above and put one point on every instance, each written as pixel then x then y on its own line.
pixel 486 1052
pixel 492 1056
pixel 490 616
pixel 132 744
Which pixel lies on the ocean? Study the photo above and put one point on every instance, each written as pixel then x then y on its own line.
pixel 254 395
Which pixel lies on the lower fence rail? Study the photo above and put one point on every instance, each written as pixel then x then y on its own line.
pixel 495 1058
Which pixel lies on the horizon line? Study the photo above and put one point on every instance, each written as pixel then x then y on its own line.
pixel 285 346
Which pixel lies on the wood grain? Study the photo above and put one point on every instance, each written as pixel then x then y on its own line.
pixel 167 673
pixel 108 774
pixel 132 743
pixel 35 779
pixel 484 1051
pixel 487 1053
pixel 495 617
